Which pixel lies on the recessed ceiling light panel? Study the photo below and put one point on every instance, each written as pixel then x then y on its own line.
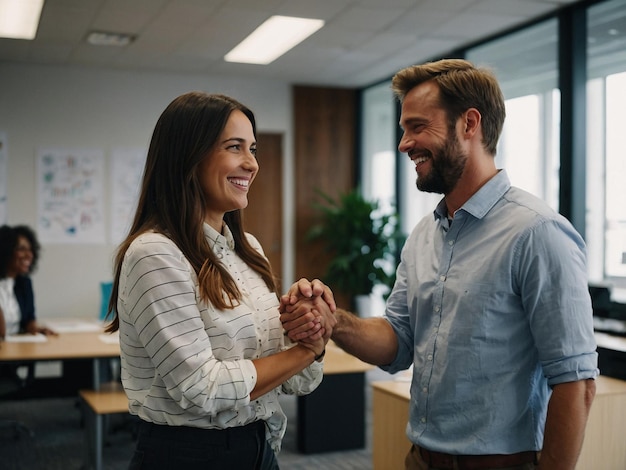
pixel 19 19
pixel 272 39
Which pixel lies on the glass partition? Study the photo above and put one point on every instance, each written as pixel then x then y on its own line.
pixel 378 160
pixel 606 157
pixel 378 147
pixel 526 66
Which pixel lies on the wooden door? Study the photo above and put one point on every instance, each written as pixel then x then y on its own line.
pixel 325 142
pixel 263 216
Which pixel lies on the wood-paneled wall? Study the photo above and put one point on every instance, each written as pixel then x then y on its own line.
pixel 325 159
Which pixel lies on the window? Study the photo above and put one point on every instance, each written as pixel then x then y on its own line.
pixel 525 64
pixel 606 162
pixel 378 163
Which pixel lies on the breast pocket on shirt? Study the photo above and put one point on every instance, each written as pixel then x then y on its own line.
pixel 484 303
pixel 482 311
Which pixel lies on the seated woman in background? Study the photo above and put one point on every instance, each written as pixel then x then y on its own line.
pixel 203 354
pixel 19 253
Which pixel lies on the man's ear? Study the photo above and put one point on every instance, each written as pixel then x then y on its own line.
pixel 472 120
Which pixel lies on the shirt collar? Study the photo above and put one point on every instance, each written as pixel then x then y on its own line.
pixel 217 239
pixel 483 200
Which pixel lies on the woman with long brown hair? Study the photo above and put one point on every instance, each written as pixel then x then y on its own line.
pixel 203 354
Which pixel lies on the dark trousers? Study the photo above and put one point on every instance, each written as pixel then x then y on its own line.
pixel 180 447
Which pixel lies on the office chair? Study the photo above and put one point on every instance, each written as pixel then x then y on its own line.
pixel 8 386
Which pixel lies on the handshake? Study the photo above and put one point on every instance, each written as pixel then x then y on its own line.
pixel 310 317
pixel 307 313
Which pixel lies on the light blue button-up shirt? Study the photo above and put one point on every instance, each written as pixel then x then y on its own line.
pixel 491 310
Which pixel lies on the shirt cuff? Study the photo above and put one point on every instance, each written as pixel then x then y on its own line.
pixel 573 369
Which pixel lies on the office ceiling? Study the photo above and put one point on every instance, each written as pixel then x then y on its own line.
pixel 363 41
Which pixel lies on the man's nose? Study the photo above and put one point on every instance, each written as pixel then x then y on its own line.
pixel 405 144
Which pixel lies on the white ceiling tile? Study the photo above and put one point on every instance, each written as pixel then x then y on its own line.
pixel 526 9
pixel 421 21
pixel 367 19
pixel 476 26
pixel 319 9
pixel 52 53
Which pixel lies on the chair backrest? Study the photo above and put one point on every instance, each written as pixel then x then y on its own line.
pixel 105 295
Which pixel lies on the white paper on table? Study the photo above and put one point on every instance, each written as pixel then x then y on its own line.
pixel 113 338
pixel 26 338
pixel 74 326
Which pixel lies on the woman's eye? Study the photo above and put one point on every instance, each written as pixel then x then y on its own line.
pixel 234 147
pixel 253 151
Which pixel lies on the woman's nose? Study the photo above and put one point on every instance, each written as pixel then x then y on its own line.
pixel 251 162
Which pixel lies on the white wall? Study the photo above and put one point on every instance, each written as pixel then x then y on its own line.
pixel 61 107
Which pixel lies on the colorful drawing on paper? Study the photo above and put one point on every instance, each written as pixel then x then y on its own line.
pixel 70 185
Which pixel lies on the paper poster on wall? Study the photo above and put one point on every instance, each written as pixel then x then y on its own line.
pixel 3 178
pixel 70 185
pixel 126 173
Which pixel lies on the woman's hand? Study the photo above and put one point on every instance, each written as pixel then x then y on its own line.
pixel 47 331
pixel 33 328
pixel 318 346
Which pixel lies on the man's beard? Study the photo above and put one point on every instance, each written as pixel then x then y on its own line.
pixel 447 165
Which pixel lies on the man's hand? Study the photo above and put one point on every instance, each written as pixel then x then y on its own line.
pixel 307 311
pixel 307 289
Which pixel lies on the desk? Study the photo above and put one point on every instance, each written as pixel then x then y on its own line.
pixel 390 405
pixel 68 346
pixel 99 404
pixel 611 355
pixel 340 398
pixel 65 346
pixel 603 448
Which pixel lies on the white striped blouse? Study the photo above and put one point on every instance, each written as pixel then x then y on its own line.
pixel 186 363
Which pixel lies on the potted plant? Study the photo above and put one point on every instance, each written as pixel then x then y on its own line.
pixel 363 243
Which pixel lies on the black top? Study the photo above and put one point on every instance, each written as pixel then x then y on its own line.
pixel 23 289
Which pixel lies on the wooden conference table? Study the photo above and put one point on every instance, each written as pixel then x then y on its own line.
pixel 93 344
pixel 76 339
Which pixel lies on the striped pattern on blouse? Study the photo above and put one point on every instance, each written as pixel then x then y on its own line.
pixel 186 363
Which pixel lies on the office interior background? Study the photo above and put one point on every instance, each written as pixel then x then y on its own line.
pixel 562 66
